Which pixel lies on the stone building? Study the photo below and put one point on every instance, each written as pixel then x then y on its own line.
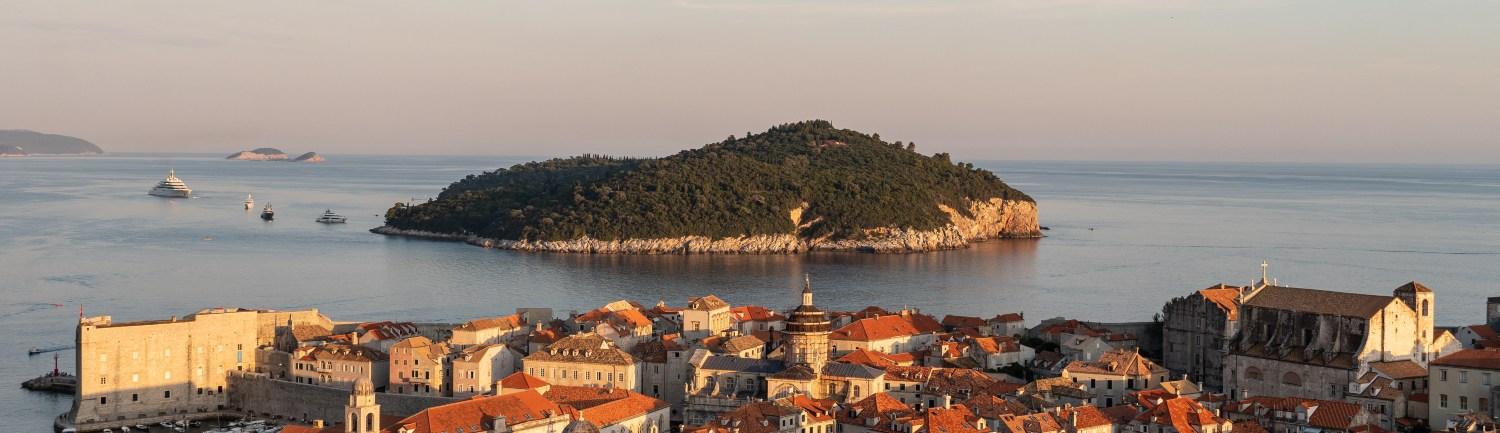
pixel 340 364
pixel 419 367
pixel 167 369
pixel 1196 330
pixel 1462 382
pixel 584 360
pixel 477 368
pixel 887 334
pixel 705 316
pixel 1312 343
pixel 508 330
pixel 1116 374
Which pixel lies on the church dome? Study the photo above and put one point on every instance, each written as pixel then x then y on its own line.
pixel 363 386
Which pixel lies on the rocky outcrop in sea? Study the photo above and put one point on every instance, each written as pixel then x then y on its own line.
pixel 990 219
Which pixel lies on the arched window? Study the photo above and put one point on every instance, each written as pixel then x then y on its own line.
pixel 1252 373
pixel 1424 308
pixel 354 422
pixel 370 422
pixel 856 391
pixel 1291 378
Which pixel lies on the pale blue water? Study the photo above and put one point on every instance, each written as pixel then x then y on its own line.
pixel 1125 238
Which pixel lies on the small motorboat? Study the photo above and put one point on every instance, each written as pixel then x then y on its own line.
pixel 249 201
pixel 329 217
pixel 267 214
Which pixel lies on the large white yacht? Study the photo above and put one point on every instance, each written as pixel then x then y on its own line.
pixel 171 187
pixel 329 217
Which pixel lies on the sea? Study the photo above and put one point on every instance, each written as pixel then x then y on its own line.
pixel 1123 239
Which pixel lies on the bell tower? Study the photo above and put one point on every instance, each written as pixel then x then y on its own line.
pixel 807 332
pixel 362 415
pixel 1420 299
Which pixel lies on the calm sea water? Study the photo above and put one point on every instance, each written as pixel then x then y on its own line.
pixel 1125 238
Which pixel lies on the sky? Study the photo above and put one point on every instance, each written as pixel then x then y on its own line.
pixel 1162 80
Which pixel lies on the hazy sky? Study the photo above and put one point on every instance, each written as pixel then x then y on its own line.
pixel 1358 81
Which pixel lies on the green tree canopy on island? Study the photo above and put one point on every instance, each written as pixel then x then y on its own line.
pixel 850 181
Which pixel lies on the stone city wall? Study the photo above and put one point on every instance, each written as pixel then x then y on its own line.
pixel 262 396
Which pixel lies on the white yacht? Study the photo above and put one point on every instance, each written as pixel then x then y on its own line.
pixel 249 201
pixel 332 218
pixel 171 187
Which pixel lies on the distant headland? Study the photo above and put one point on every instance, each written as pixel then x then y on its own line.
pixel 20 142
pixel 273 154
pixel 791 189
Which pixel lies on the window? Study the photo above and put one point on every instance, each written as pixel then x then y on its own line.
pixel 1463 402
pixel 166 394
pixel 135 397
pixel 1443 400
pixel 1109 384
pixel 1486 378
pixel 104 381
pixel 103 400
pixel 1443 375
pixel 1463 376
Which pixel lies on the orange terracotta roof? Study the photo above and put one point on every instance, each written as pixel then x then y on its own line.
pixel 707 303
pixel 1088 416
pixel 1008 317
pixel 1182 413
pixel 503 322
pixel 997 344
pixel 630 405
pixel 874 329
pixel 521 380
pixel 476 413
pixel 1226 297
pixel 632 318
pixel 1033 423
pixel 1488 359
pixel 746 313
pixel 956 419
pixel 955 322
pixel 868 357
pixel 1123 363
pixel 879 407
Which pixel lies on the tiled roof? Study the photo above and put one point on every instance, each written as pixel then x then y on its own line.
pixel 868 357
pixel 992 407
pixel 1125 363
pixel 748 365
pixel 876 328
pixel 839 369
pixel 1319 301
pixel 309 332
pixel 1008 317
pixel 521 380
pixel 997 344
pixel 586 348
pixel 1329 414
pixel 1405 369
pixel 956 419
pixel 503 322
pixel 476 414
pixel 746 313
pixel 1225 297
pixel 1122 414
pixel 1088 416
pixel 422 347
pixel 345 352
pixel 630 319
pixel 1183 414
pixel 1033 423
pixel 604 406
pixel 756 417
pixel 1413 287
pixel 741 343
pixel 876 411
pixel 956 322
pixel 817 410
pixel 545 336
pixel 1247 426
pixel 387 330
pixel 1488 359
pixel 707 303
pixel 924 323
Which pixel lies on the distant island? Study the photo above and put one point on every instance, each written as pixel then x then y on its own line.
pixel 273 154
pixel 794 188
pixel 20 142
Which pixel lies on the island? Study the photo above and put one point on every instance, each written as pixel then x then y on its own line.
pixel 273 154
pixel 21 142
pixel 794 188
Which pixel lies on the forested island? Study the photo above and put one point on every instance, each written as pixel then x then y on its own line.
pixel 793 188
pixel 20 142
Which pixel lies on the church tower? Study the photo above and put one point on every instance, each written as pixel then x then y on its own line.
pixel 1419 298
pixel 807 332
pixel 362 415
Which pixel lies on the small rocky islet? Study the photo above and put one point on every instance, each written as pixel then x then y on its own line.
pixel 273 154
pixel 794 188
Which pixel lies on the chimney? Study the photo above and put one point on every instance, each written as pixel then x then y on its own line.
pixel 499 387
pixel 1073 419
pixel 354 338
pixel 947 401
pixel 317 423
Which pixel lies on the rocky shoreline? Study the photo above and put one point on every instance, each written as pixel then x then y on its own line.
pixel 992 219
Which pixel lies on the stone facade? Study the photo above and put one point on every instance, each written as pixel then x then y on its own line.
pixel 584 360
pixel 705 316
pixel 159 368
pixel 1311 343
pixel 1196 330
pixel 477 368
